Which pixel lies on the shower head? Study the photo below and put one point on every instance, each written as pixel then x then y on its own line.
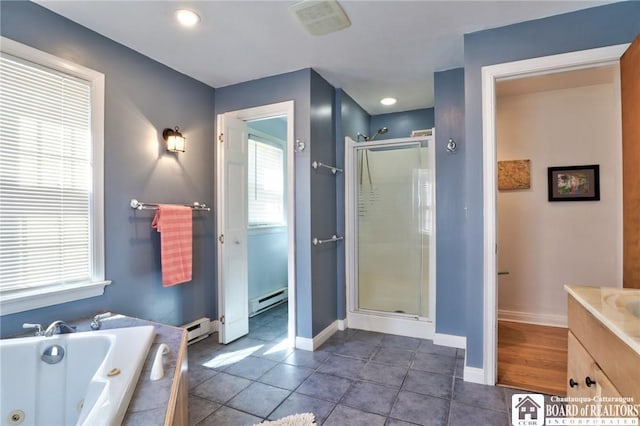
pixel 381 131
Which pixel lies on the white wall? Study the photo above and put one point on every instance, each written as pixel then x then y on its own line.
pixel 542 244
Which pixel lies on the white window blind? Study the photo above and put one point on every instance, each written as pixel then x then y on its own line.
pixel 266 184
pixel 45 176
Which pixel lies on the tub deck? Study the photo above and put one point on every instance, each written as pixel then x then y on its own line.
pixel 153 402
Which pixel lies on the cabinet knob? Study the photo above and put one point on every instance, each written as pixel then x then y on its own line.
pixel 589 382
pixel 573 383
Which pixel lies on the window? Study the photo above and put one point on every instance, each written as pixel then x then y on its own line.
pixel 51 179
pixel 266 183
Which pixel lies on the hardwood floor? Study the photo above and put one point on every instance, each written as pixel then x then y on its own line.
pixel 532 357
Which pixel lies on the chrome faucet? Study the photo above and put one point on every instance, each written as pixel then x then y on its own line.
pixel 36 327
pixel 58 327
pixel 96 322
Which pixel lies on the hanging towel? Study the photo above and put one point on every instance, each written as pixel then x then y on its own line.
pixel 175 226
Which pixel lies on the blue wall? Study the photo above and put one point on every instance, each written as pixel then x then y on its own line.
pixel 323 204
pixel 401 124
pixel 285 87
pixel 142 98
pixel 315 191
pixel 596 27
pixel 450 220
pixel 268 260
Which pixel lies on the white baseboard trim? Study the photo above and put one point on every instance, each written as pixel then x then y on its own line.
pixel 307 344
pixel 304 343
pixel 214 327
pixel 473 374
pixel 342 324
pixel 450 340
pixel 551 320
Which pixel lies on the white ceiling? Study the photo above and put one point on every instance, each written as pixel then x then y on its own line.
pixel 391 49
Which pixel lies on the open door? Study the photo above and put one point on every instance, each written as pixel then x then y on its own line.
pixel 232 229
pixel 630 93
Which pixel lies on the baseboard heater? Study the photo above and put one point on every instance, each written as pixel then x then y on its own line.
pixel 197 330
pixel 267 301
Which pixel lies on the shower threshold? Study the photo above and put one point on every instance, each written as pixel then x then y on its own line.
pixel 401 324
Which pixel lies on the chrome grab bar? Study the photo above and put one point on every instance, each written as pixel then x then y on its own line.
pixel 333 238
pixel 333 169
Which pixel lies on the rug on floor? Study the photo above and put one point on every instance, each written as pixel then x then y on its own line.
pixel 303 419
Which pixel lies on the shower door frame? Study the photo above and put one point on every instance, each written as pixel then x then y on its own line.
pixel 380 321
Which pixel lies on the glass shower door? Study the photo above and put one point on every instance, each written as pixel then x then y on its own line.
pixel 393 191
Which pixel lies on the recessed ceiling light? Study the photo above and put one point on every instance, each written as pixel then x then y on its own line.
pixel 187 18
pixel 388 101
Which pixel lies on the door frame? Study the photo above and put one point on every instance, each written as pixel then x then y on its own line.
pixel 285 108
pixel 378 321
pixel 590 58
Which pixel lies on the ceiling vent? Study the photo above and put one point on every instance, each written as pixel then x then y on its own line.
pixel 319 17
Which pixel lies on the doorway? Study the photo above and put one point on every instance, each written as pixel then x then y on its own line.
pixel 255 222
pixel 390 235
pixel 491 75
pixel 562 119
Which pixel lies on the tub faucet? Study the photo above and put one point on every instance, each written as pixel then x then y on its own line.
pixel 96 322
pixel 58 327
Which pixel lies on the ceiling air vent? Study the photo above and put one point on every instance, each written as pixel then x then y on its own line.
pixel 319 17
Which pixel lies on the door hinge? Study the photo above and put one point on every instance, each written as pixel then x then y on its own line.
pixel 222 319
pixel 221 238
pixel 221 137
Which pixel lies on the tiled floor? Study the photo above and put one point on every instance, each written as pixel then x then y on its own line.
pixel 355 378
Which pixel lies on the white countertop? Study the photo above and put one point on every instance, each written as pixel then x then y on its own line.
pixel 609 306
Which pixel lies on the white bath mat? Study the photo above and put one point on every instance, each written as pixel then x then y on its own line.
pixel 304 419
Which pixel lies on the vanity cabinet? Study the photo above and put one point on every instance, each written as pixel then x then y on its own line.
pixel 580 367
pixel 599 363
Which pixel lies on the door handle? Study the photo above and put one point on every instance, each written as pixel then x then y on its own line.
pixel 589 382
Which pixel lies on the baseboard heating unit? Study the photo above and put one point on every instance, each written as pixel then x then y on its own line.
pixel 197 330
pixel 267 301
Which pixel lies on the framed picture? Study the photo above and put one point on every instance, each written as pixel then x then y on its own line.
pixel 574 183
pixel 514 174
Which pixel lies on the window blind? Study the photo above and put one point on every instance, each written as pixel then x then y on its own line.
pixel 266 184
pixel 45 176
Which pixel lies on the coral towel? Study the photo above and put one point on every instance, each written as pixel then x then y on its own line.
pixel 175 227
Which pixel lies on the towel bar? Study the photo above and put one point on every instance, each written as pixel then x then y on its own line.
pixel 317 164
pixel 138 205
pixel 333 238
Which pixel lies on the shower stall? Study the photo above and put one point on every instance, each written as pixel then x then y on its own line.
pixel 390 235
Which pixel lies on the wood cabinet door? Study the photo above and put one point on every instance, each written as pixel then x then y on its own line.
pixel 580 365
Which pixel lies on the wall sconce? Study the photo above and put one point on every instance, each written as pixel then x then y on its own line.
pixel 175 140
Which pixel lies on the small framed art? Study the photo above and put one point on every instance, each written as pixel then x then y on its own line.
pixel 514 174
pixel 574 183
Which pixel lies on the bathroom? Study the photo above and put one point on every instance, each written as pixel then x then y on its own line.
pixel 136 166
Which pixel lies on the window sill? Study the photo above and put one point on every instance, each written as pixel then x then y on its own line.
pixel 266 229
pixel 28 299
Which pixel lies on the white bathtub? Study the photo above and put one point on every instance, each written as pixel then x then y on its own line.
pixel 83 389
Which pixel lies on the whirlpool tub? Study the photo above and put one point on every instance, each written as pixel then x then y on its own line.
pixel 92 383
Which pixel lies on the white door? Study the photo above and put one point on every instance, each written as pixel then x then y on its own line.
pixel 232 229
